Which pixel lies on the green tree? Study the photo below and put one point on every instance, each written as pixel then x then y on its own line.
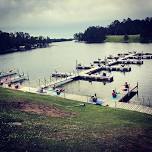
pixel 78 36
pixel 94 34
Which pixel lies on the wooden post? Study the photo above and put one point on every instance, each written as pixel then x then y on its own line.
pixel 28 77
pixel 76 64
pixel 143 100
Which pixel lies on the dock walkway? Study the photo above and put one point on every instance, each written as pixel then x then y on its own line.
pixel 110 103
pixel 18 80
pixel 83 74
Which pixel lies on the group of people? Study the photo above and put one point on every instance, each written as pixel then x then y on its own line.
pixel 114 93
pixel 126 88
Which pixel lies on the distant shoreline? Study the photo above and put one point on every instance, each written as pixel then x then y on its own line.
pixel 109 39
pixel 23 48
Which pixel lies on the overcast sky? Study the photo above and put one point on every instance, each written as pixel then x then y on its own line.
pixel 63 18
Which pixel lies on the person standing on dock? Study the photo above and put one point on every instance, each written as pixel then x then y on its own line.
pixel 126 86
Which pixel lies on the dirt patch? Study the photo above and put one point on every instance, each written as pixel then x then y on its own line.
pixel 40 109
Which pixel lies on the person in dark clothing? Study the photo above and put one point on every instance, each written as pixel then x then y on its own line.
pixel 114 94
pixel 126 85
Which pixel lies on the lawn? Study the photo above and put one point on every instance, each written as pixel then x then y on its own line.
pixel 120 38
pixel 30 122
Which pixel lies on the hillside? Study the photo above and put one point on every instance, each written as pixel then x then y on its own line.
pixel 38 123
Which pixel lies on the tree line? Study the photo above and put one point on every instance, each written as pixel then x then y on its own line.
pixel 20 41
pixel 97 34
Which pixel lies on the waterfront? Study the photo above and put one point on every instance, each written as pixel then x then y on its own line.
pixel 40 63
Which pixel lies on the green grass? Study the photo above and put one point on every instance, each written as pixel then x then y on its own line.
pixel 120 38
pixel 93 128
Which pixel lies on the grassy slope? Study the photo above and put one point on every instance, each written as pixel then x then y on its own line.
pixel 119 38
pixel 94 128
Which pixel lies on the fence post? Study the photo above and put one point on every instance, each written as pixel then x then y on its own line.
pixel 143 100
pixel 149 101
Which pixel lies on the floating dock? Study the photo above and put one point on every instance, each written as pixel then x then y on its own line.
pixel 94 77
pixel 116 68
pixel 61 82
pixel 88 72
pixel 61 74
pixel 80 67
pixel 141 57
pixel 129 94
pixel 99 61
pixel 18 80
pixel 128 61
pixel 7 74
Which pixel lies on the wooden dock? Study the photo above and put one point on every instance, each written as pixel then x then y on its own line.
pixel 12 77
pixel 127 95
pixel 116 68
pixel 88 73
pixel 85 99
pixel 61 74
pixel 98 77
pixel 18 80
pixel 7 74
pixel 80 67
pixel 112 104
pixel 129 61
pixel 61 82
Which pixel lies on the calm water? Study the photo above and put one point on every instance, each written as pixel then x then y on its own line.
pixel 39 63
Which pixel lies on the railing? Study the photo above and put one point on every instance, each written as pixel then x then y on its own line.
pixel 143 100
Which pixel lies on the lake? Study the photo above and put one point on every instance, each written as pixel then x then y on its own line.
pixel 62 56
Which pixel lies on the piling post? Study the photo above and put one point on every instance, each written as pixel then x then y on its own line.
pixel 149 101
pixel 28 78
pixel 76 63
pixel 143 100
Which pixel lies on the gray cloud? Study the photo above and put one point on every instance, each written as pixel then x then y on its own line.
pixel 65 14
